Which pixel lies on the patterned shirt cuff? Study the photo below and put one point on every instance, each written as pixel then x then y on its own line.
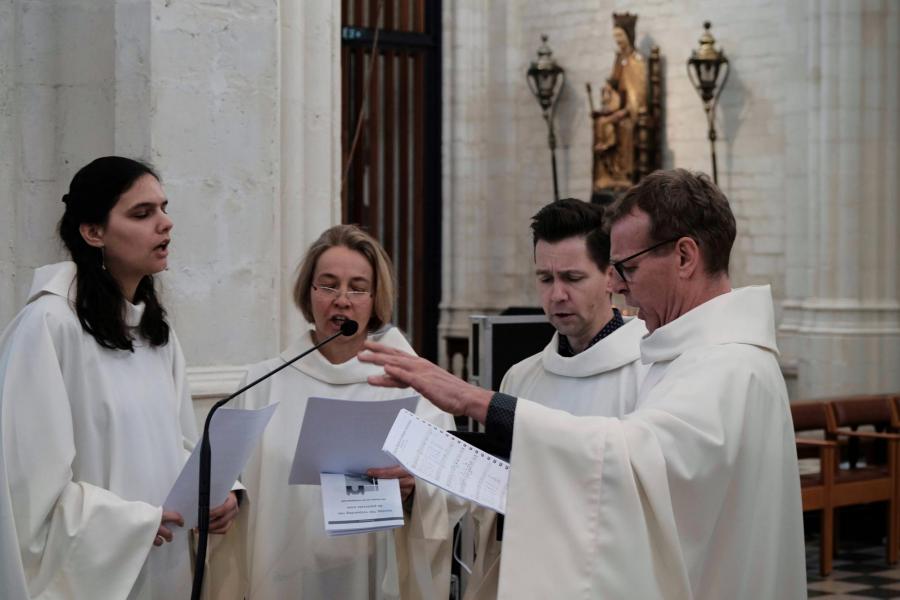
pixel 501 415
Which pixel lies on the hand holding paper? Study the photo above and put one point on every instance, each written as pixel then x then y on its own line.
pixel 234 434
pixel 404 478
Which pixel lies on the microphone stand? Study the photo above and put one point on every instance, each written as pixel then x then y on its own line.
pixel 348 328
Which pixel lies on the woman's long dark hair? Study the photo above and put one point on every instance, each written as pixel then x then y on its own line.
pixel 99 301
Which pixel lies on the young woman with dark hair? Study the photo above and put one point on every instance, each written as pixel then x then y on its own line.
pixel 101 289
pixel 95 415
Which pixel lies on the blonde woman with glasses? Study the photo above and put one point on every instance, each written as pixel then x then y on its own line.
pixel 345 275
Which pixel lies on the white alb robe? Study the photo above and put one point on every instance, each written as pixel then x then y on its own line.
pixel 92 440
pixel 288 552
pixel 694 495
pixel 601 381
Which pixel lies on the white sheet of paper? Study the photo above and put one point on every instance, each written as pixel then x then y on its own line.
pixel 353 504
pixel 233 434
pixel 344 436
pixel 444 460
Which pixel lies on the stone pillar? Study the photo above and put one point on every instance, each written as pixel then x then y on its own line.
pixel 482 75
pixel 8 162
pixel 842 318
pixel 463 220
pixel 56 97
pixel 212 129
pixel 238 107
pixel 310 139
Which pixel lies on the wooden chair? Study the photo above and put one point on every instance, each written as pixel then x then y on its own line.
pixel 817 488
pixel 862 484
pixel 895 427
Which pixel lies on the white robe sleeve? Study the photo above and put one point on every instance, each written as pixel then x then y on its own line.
pixel 186 416
pixel 664 503
pixel 61 538
pixel 582 493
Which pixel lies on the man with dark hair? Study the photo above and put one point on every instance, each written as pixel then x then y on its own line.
pixel 695 494
pixel 592 366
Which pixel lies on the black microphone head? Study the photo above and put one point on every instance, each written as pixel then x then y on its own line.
pixel 349 327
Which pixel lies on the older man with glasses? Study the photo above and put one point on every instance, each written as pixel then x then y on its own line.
pixel 695 494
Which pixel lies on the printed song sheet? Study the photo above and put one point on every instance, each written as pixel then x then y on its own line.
pixel 446 461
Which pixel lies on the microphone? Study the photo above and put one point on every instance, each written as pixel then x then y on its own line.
pixel 348 328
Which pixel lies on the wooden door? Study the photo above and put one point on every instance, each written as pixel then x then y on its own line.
pixel 391 126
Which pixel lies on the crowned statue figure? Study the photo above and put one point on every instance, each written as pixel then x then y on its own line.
pixel 623 101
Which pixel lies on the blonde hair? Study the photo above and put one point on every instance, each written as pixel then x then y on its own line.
pixel 353 238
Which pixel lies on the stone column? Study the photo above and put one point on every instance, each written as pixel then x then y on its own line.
pixel 481 69
pixel 9 119
pixel 56 99
pixel 842 321
pixel 211 126
pixel 238 107
pixel 310 139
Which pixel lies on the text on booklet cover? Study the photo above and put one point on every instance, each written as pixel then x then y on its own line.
pixel 360 504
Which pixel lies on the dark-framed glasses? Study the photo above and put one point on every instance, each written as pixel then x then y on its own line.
pixel 619 265
pixel 334 293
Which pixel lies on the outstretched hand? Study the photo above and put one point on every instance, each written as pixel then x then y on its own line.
pixel 446 391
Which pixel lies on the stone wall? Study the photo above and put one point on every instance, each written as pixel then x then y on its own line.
pixel 495 123
pixel 57 97
pixel 841 325
pixel 236 103
pixel 493 184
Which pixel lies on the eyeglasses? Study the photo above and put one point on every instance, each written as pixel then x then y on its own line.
pixel 334 293
pixel 618 265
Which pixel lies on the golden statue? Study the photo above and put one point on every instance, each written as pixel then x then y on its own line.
pixel 607 165
pixel 624 106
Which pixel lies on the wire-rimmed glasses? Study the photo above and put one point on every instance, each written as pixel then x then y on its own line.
pixel 619 264
pixel 354 296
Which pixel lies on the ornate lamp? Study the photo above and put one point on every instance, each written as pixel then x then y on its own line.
pixel 708 72
pixel 546 80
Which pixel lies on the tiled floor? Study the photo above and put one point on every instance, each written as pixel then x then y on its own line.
pixel 859 572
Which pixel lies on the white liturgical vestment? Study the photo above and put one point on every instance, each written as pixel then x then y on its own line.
pixel 92 441
pixel 601 381
pixel 289 553
pixel 694 495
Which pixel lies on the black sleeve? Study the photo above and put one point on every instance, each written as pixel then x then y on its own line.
pixel 501 415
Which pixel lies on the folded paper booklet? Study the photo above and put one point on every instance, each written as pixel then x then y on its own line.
pixel 360 504
pixel 444 460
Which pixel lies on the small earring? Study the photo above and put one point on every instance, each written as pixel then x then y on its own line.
pixel 102 258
